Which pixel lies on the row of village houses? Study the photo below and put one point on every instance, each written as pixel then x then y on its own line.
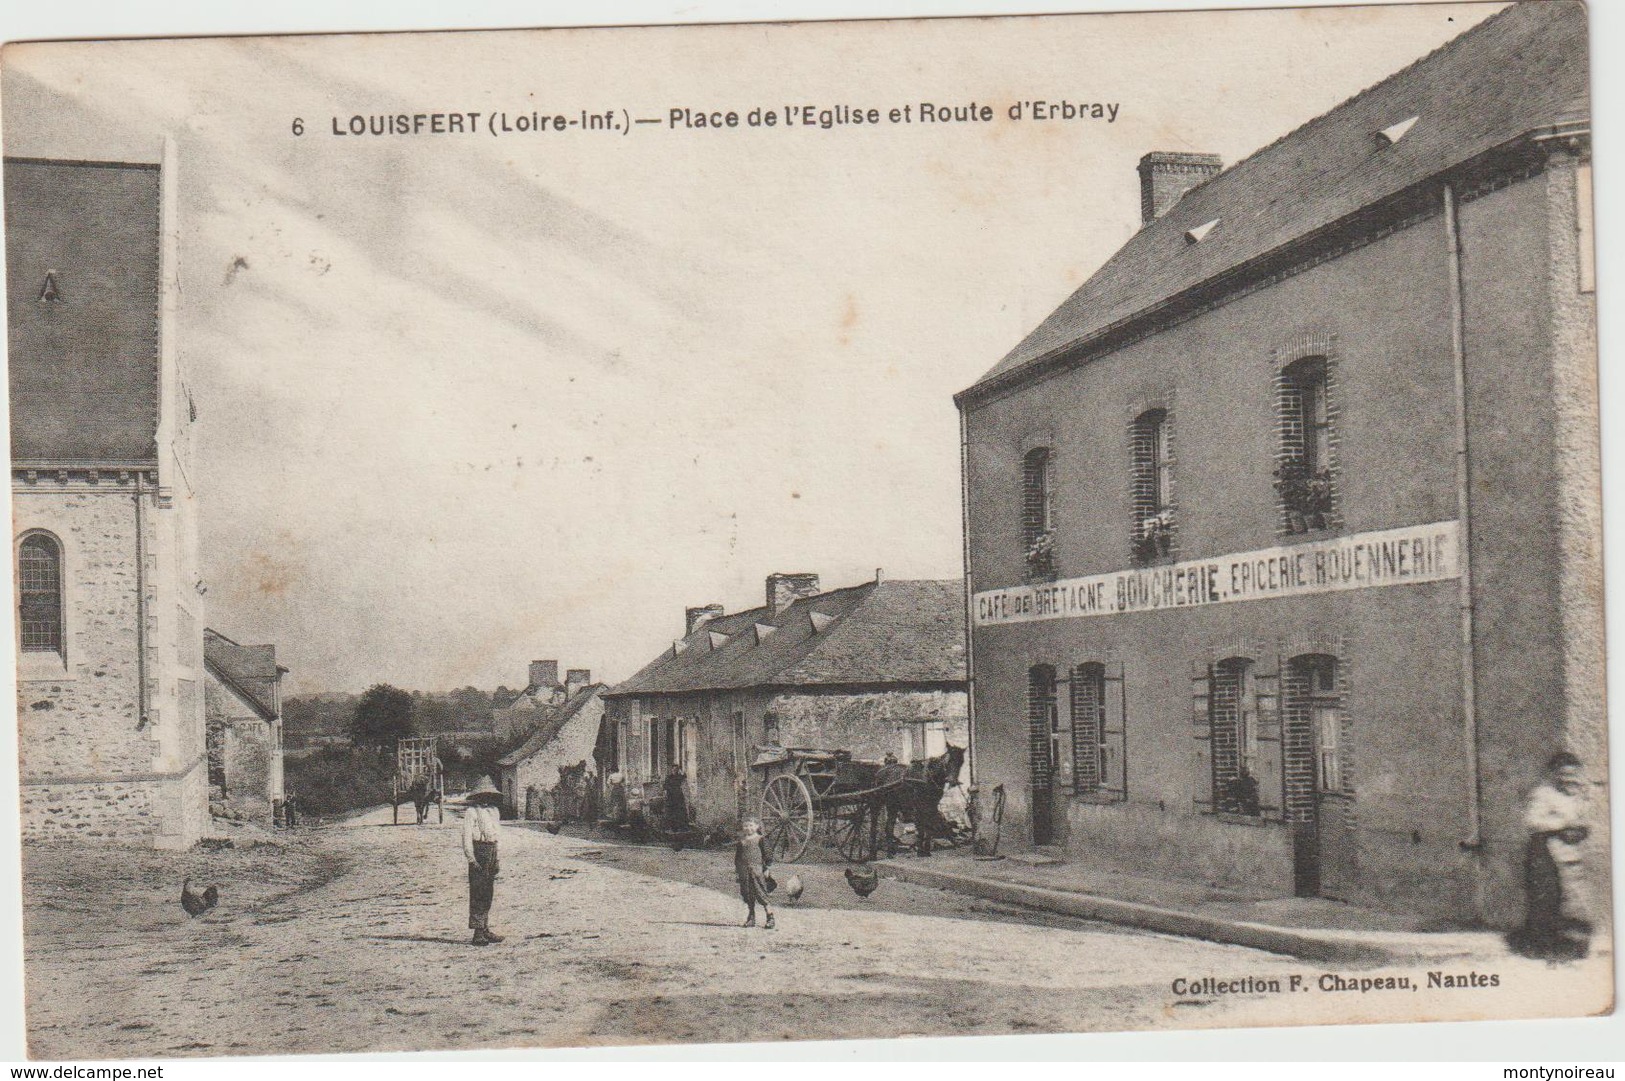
pixel 1283 538
pixel 1282 533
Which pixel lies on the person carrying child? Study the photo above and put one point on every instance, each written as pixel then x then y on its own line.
pixel 750 868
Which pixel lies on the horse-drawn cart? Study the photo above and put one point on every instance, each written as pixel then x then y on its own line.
pixel 851 804
pixel 418 779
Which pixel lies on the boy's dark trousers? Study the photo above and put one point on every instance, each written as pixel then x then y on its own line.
pixel 482 880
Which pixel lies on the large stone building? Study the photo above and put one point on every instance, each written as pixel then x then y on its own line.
pixel 110 601
pixel 242 699
pixel 873 669
pixel 1283 531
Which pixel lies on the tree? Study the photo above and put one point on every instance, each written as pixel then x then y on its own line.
pixel 383 716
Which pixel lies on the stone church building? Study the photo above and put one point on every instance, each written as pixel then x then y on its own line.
pixel 1284 538
pixel 109 619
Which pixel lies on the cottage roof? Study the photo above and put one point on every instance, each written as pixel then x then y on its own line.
pixel 82 299
pixel 251 671
pixel 554 718
pixel 878 632
pixel 1519 71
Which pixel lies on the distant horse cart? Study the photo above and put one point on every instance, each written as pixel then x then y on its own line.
pixel 853 805
pixel 419 779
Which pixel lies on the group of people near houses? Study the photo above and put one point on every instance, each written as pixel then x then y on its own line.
pixel 1557 918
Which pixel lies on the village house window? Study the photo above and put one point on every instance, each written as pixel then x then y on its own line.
pixel 1099 744
pixel 922 739
pixel 1233 720
pixel 39 594
pixel 770 729
pixel 1037 516
pixel 1303 473
pixel 1153 484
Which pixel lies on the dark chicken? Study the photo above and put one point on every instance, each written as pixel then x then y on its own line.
pixel 863 880
pixel 197 904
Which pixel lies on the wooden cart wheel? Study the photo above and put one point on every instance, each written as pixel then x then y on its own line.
pixel 787 817
pixel 852 833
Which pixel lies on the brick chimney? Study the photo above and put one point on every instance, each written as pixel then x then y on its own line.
pixel 1165 176
pixel 544 673
pixel 576 679
pixel 695 618
pixel 784 589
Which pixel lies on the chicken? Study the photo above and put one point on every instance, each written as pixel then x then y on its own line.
pixel 863 880
pixel 553 827
pixel 197 904
pixel 792 888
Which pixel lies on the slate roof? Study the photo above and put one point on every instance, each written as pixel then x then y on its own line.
pixel 1521 70
pixel 84 367
pixel 881 632
pixel 251 671
pixel 554 718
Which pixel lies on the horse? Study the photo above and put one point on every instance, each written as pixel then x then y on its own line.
pixel 916 799
pixel 421 798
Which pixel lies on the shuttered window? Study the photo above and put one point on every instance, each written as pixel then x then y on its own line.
pixel 1099 746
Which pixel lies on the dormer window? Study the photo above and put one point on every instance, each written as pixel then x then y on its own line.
pixel 1200 232
pixel 1395 132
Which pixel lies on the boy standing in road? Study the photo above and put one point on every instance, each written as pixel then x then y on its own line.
pixel 481 824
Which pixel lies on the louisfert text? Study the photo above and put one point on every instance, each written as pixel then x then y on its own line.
pixel 618 120
pixel 1209 987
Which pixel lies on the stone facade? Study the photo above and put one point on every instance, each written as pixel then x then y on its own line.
pixel 874 669
pixel 111 717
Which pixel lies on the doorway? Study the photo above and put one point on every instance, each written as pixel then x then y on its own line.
pixel 1320 799
pixel 1043 724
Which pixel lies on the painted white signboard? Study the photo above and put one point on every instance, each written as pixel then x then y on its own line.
pixel 1390 557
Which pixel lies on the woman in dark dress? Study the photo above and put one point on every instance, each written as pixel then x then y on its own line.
pixel 674 814
pixel 1556 924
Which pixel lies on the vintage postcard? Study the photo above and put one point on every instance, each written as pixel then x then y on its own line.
pixel 760 532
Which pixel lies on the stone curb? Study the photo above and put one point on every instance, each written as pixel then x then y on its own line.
pixel 1309 945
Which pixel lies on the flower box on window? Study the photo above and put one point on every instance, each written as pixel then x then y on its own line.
pixel 1238 796
pixel 1306 496
pixel 1156 536
pixel 1040 556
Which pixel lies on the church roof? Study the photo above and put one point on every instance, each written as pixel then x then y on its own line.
pixel 874 633
pixel 1521 70
pixel 82 310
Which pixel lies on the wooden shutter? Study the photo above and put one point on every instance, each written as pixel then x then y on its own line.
pixel 1267 712
pixel 1114 739
pixel 1201 738
pixel 1086 766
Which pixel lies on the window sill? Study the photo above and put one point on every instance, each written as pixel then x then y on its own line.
pixel 1241 820
pixel 1098 797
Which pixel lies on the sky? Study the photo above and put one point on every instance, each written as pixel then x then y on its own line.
pixel 467 400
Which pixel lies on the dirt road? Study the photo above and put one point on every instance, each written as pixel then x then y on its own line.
pixel 354 938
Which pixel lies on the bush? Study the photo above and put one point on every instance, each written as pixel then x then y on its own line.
pixel 335 780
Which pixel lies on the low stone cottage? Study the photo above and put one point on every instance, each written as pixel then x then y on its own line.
pixel 873 669
pixel 562 737
pixel 242 701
